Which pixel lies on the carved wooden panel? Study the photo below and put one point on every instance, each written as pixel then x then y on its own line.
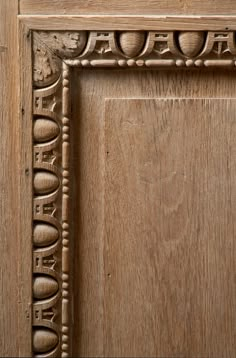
pixel 55 52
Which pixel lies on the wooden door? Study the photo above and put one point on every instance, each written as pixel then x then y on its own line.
pixel 118 180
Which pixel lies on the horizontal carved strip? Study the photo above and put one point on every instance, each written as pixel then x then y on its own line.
pixel 134 44
pixel 152 63
pixel 129 49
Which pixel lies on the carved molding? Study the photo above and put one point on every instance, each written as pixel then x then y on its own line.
pixel 131 49
pixel 47 216
pixel 54 52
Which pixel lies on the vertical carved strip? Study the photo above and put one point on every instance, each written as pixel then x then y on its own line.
pixel 51 207
pixel 65 210
pixel 47 222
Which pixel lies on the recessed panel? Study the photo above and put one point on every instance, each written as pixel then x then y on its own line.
pixel 201 140
pixel 169 218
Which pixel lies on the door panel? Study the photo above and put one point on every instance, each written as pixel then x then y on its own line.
pixel 153 202
pixel 169 230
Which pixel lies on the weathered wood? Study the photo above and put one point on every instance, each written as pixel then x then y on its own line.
pixel 170 7
pixel 40 193
pixel 25 188
pixel 127 49
pixel 54 53
pixel 122 22
pixel 9 182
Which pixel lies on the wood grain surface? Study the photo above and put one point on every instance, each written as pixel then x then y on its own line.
pixel 25 191
pixel 154 224
pixel 127 22
pixel 170 7
pixel 99 270
pixel 170 228
pixel 9 181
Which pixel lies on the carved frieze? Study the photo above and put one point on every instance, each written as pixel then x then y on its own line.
pixel 134 49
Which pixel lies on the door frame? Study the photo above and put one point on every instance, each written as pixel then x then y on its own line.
pixel 49 46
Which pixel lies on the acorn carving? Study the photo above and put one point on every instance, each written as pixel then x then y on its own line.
pixel 44 286
pixel 45 182
pixel 44 340
pixel 44 234
pixel 45 130
pixel 191 43
pixel 132 42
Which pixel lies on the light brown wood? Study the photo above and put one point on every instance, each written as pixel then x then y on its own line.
pixel 51 322
pixel 96 333
pixel 25 190
pixel 169 230
pixel 127 49
pixel 129 22
pixel 9 182
pixel 38 178
pixel 44 287
pixel 191 43
pixel 170 7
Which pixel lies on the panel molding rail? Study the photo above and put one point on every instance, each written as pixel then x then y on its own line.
pixel 54 53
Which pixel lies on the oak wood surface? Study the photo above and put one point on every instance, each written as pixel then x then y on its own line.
pixel 47 179
pixel 9 181
pixel 127 22
pixel 25 191
pixel 170 7
pixel 98 329
pixel 95 332
pixel 169 228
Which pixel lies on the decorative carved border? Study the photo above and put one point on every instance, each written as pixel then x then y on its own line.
pixel 54 53
pixel 126 49
pixel 51 135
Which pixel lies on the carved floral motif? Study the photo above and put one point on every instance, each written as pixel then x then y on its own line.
pixel 63 43
pixel 46 66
